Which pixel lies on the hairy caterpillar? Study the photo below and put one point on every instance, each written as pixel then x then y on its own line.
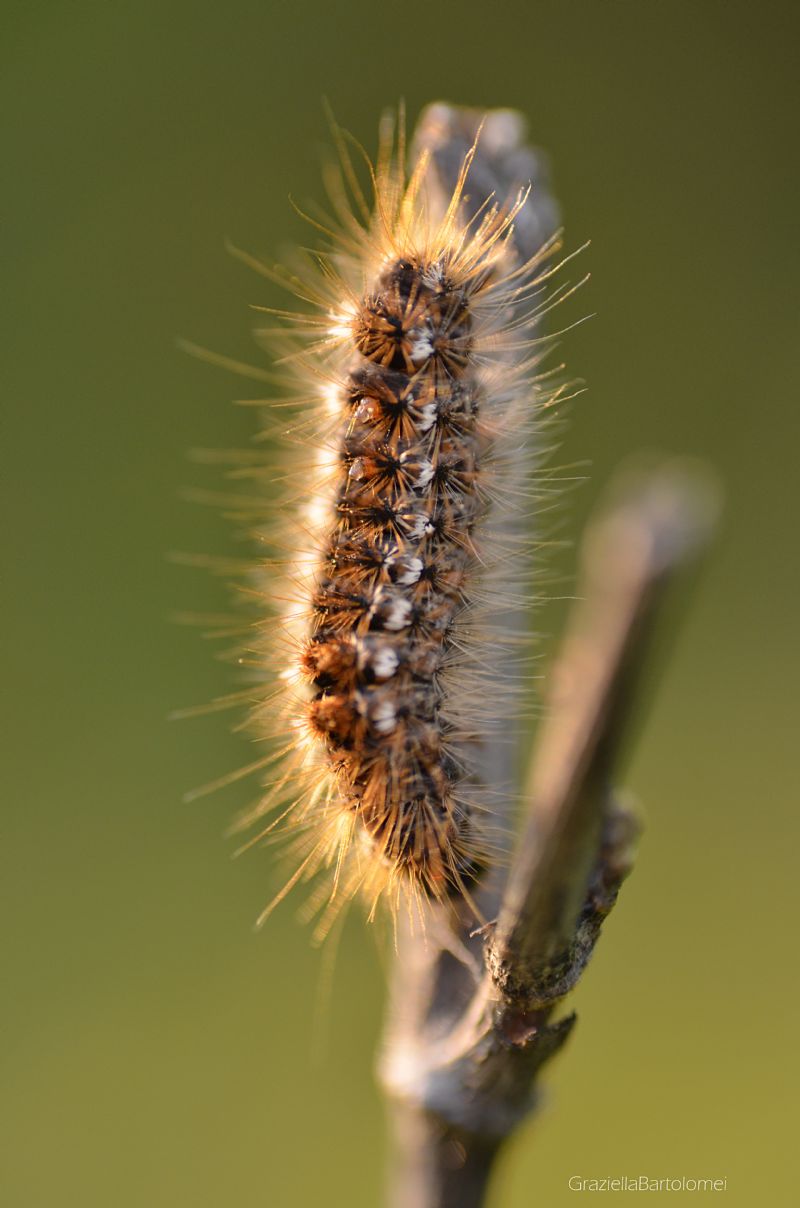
pixel 418 367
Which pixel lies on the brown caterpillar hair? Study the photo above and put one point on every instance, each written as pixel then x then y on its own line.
pixel 424 356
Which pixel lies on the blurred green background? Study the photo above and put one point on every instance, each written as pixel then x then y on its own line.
pixel 156 1049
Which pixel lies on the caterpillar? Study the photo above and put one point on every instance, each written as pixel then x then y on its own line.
pixel 415 375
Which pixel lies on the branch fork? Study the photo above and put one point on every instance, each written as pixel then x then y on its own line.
pixel 462 1055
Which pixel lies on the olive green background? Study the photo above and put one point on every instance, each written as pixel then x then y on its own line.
pixel 156 1050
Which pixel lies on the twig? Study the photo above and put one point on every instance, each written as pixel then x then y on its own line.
pixel 473 1017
